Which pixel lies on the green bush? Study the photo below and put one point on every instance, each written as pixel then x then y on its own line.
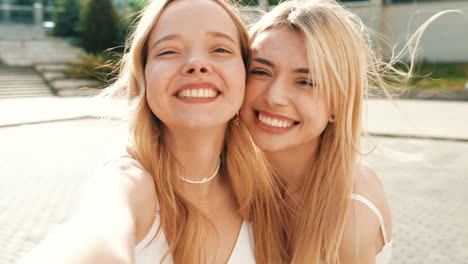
pixel 274 2
pixel 98 66
pixel 249 2
pixel 256 2
pixel 66 17
pixel 431 75
pixel 99 28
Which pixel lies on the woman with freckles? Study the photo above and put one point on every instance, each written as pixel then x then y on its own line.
pixel 192 188
pixel 311 65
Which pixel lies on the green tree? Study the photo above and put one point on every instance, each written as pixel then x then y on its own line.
pixel 23 2
pixel 100 25
pixel 248 2
pixel 66 17
pixel 136 5
pixel 274 2
pixel 126 19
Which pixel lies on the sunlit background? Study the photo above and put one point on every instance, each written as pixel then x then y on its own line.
pixel 52 136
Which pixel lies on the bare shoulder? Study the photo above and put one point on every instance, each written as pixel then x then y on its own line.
pixel 368 183
pixel 363 238
pixel 122 189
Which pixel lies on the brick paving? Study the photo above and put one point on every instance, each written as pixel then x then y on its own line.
pixel 43 171
pixel 426 182
pixel 45 168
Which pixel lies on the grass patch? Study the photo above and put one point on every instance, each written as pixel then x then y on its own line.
pixel 95 66
pixel 443 76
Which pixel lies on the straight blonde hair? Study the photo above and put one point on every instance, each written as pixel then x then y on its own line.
pixel 345 68
pixel 255 190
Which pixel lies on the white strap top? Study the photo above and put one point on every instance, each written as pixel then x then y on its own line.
pixel 243 252
pixel 383 257
pixel 150 253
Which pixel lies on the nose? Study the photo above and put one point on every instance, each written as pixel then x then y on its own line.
pixel 275 94
pixel 197 63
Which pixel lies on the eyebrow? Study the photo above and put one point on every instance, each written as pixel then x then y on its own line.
pixel 165 38
pixel 271 64
pixel 221 35
pixel 176 36
pixel 264 61
pixel 301 70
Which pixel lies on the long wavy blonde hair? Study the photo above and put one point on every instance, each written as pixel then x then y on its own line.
pixel 345 67
pixel 255 191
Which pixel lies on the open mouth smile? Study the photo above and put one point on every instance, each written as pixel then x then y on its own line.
pixel 274 123
pixel 198 93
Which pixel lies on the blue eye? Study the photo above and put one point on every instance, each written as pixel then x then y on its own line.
pixel 221 50
pixel 259 72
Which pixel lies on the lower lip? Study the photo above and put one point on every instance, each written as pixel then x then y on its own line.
pixel 197 100
pixel 270 129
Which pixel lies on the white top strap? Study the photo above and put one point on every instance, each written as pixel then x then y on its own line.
pixel 374 208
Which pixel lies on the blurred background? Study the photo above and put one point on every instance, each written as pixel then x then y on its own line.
pixel 53 136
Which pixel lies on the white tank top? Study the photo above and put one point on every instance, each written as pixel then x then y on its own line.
pixel 152 253
pixel 383 257
pixel 243 251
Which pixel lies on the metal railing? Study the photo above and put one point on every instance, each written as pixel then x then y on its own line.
pixel 25 14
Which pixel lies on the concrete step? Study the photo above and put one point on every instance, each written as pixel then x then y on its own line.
pixel 23 89
pixel 9 96
pixel 21 82
pixel 12 71
pixel 10 78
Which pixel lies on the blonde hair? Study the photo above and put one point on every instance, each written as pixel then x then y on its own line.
pixel 255 191
pixel 344 67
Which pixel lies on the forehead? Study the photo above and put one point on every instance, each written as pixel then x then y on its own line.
pixel 194 17
pixel 281 46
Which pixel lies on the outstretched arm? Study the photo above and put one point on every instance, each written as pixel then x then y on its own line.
pixel 104 229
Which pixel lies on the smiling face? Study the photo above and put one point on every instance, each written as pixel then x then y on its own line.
pixel 194 72
pixel 283 109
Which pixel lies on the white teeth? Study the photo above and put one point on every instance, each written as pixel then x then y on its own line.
pixel 197 93
pixel 273 122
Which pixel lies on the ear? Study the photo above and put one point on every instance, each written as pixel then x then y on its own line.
pixel 332 118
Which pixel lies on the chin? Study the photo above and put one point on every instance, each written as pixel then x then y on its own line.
pixel 269 145
pixel 199 123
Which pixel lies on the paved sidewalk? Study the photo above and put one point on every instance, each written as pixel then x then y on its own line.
pixel 50 147
pixel 418 118
pixel 398 118
pixel 18 111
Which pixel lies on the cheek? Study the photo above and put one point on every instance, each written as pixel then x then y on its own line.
pixel 316 114
pixel 234 76
pixel 157 75
pixel 253 89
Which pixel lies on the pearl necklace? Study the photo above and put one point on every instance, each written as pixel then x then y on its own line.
pixel 204 180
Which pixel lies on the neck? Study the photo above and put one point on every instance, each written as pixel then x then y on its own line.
pixel 293 164
pixel 198 151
